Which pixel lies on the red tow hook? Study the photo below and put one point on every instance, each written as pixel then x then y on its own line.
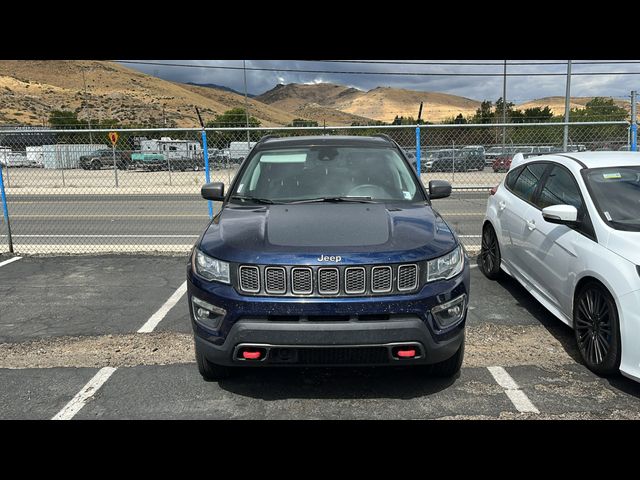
pixel 407 353
pixel 251 354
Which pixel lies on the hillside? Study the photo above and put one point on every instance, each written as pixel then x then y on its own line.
pixel 29 90
pixel 556 104
pixel 382 103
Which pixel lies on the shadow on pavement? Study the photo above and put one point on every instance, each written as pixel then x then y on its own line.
pixel 561 332
pixel 335 383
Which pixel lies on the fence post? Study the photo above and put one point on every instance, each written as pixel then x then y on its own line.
pixel 418 155
pixel 207 177
pixel 5 210
pixel 6 163
pixel 634 123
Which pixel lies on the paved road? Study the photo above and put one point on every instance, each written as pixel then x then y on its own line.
pixel 63 320
pixel 161 219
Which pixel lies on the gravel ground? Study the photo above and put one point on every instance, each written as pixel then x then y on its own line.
pixel 521 345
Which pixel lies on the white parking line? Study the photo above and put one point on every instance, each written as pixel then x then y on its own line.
pixel 511 388
pixel 75 405
pixel 155 319
pixel 11 260
pixel 463 236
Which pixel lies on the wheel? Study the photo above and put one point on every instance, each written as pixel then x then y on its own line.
pixel 490 253
pixel 210 371
pixel 95 165
pixel 450 366
pixel 596 327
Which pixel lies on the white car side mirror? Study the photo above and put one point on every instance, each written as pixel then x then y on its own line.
pixel 561 214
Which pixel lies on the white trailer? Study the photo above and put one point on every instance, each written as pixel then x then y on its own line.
pixel 240 150
pixel 64 155
pixel 172 149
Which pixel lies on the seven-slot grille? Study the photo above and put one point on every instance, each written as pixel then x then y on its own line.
pixel 327 281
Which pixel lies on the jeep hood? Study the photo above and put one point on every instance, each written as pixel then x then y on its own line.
pixel 360 233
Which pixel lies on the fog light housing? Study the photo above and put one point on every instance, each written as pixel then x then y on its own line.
pixel 451 312
pixel 206 313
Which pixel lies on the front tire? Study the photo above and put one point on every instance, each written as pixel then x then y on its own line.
pixel 597 329
pixel 490 257
pixel 451 366
pixel 210 371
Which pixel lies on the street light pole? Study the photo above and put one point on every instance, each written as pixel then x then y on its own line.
pixel 246 103
pixel 84 81
pixel 567 99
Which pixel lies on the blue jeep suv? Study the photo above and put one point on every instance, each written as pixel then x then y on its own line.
pixel 326 251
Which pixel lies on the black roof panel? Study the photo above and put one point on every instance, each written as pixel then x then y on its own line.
pixel 328 140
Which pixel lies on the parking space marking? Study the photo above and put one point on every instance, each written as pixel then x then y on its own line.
pixel 511 388
pixel 11 260
pixel 79 401
pixel 157 317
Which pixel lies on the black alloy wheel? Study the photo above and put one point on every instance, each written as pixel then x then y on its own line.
pixel 595 320
pixel 490 253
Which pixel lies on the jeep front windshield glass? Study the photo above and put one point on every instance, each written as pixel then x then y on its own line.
pixel 288 175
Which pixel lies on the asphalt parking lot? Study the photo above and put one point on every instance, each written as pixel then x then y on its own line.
pixel 103 337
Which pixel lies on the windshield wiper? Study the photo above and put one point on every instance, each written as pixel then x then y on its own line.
pixel 253 199
pixel 336 199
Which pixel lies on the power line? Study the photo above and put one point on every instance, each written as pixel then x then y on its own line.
pixel 425 74
pixel 463 63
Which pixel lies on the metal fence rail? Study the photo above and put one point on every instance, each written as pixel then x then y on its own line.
pixel 71 191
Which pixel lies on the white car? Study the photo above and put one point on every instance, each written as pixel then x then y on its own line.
pixel 567 227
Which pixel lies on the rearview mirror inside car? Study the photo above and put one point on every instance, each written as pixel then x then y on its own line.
pixel 213 191
pixel 439 189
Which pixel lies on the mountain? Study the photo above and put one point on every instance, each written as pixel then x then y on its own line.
pixel 556 104
pixel 220 87
pixel 382 103
pixel 29 90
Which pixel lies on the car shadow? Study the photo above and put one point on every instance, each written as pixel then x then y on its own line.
pixel 334 383
pixel 560 331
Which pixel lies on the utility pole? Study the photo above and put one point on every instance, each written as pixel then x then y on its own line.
pixel 246 103
pixel 634 123
pixel 504 107
pixel 84 81
pixel 567 99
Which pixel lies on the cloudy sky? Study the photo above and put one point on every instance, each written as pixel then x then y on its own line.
pixel 525 86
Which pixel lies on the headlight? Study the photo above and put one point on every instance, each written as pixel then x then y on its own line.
pixel 447 266
pixel 210 268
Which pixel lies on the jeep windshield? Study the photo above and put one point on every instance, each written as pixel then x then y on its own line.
pixel 616 193
pixel 332 174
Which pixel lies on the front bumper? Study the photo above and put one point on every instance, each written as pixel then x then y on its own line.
pixel 250 320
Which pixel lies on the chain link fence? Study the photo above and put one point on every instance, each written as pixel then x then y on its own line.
pixel 70 191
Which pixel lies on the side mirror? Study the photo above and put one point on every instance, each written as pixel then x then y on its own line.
pixel 439 189
pixel 213 191
pixel 560 214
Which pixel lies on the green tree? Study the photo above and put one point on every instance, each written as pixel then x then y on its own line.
pixel 65 119
pixel 234 118
pixel 301 122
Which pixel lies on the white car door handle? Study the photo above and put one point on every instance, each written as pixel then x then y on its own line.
pixel 502 205
pixel 531 225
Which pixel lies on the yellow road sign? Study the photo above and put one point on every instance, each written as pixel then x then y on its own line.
pixel 113 136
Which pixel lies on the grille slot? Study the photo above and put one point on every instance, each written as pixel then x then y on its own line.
pixel 249 279
pixel 341 355
pixel 275 280
pixel 381 279
pixel 407 277
pixel 328 281
pixel 301 281
pixel 354 280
